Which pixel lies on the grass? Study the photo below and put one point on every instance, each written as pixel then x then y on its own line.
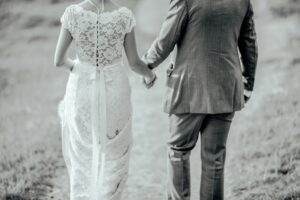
pixel 287 8
pixel 266 151
pixel 30 179
pixel 269 154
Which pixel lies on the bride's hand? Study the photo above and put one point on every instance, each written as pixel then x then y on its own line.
pixel 70 64
pixel 150 80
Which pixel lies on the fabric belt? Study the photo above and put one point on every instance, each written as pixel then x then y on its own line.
pixel 98 113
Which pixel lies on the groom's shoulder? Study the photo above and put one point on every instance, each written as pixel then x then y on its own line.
pixel 178 1
pixel 177 4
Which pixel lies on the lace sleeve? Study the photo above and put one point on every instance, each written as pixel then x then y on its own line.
pixel 66 19
pixel 131 21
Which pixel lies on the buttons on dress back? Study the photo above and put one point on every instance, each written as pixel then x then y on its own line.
pixel 97 42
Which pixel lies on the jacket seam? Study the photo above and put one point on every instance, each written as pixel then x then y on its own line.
pixel 187 66
pixel 180 17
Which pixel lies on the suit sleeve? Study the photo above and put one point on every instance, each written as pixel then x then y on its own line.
pixel 248 48
pixel 171 30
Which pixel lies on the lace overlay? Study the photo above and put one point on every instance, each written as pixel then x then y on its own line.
pixel 99 43
pixel 109 35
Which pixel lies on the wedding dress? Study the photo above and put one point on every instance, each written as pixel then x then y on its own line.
pixel 96 109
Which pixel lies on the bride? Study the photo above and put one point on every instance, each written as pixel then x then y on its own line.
pixel 95 112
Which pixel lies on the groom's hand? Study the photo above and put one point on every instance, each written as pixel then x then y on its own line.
pixel 149 83
pixel 144 59
pixel 247 95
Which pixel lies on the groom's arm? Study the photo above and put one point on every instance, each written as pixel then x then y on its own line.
pixel 248 48
pixel 170 33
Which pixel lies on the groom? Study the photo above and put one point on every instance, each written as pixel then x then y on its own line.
pixel 205 85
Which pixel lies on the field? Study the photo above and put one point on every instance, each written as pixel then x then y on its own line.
pixel 263 158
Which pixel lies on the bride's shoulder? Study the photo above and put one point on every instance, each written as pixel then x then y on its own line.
pixel 72 8
pixel 129 18
pixel 126 11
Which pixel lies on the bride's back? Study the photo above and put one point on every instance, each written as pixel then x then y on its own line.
pixel 98 35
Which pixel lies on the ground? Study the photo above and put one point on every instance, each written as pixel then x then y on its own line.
pixel 263 157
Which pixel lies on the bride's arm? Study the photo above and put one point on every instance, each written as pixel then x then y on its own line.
pixel 60 58
pixel 135 62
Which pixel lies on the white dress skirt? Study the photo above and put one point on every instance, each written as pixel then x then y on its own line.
pixel 96 130
pixel 96 110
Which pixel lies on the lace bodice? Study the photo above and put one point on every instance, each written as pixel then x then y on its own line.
pixel 98 38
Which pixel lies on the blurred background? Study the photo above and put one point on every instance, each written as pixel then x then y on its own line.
pixel 263 158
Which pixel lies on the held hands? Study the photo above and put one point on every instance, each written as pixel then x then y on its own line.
pixel 247 93
pixel 149 81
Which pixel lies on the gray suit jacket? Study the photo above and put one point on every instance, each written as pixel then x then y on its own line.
pixel 207 76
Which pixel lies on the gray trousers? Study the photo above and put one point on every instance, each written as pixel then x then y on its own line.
pixel 185 130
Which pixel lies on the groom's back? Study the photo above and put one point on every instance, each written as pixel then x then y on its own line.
pixel 213 25
pixel 207 75
pixel 208 58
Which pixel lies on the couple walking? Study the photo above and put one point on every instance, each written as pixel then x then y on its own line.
pixel 206 84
